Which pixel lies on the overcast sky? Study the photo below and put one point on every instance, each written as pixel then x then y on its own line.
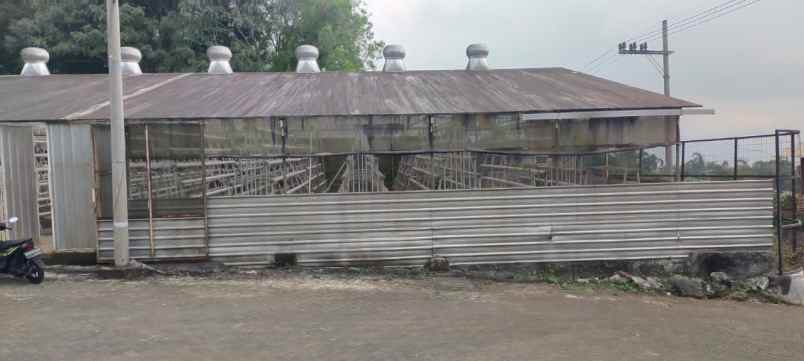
pixel 748 65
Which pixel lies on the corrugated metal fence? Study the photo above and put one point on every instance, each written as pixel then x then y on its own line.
pixel 173 239
pixel 18 182
pixel 71 164
pixel 641 221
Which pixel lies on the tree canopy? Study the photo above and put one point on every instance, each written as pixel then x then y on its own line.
pixel 10 12
pixel 173 35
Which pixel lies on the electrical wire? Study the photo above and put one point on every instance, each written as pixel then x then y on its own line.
pixel 609 60
pixel 655 64
pixel 595 60
pixel 613 61
pixel 714 17
pixel 700 15
pixel 699 18
pixel 681 20
pixel 689 22
pixel 705 13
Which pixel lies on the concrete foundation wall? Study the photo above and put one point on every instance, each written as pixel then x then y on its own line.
pixel 602 133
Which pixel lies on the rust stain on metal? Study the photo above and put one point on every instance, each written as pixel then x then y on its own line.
pixel 245 95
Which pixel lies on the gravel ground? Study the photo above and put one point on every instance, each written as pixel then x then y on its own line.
pixel 304 316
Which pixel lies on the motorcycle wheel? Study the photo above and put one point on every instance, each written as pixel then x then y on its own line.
pixel 36 274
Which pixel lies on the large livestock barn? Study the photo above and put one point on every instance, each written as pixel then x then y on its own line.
pixel 214 159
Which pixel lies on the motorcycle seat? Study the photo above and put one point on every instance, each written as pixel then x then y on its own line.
pixel 4 245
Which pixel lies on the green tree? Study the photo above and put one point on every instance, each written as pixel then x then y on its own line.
pixel 340 29
pixel 652 164
pixel 74 32
pixel 10 12
pixel 245 26
pixel 697 166
pixel 173 34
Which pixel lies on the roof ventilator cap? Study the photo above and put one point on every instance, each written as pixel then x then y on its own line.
pixel 219 57
pixel 130 61
pixel 477 54
pixel 35 62
pixel 394 58
pixel 307 56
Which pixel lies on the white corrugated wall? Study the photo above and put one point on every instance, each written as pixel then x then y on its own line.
pixel 19 181
pixel 71 186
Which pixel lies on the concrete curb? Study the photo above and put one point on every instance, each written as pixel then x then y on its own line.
pixel 791 286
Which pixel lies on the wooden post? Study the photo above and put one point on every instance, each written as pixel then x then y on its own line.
pixel 149 190
pixel 204 185
pixel 639 166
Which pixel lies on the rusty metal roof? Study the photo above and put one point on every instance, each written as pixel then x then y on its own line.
pixel 240 95
pixel 57 96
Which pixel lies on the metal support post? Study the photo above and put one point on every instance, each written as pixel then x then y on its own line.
pixel 676 171
pixel 683 158
pixel 736 160
pixel 639 167
pixel 779 233
pixel 793 187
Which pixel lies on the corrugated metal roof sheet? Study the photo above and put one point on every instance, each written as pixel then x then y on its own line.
pixel 324 94
pixel 56 96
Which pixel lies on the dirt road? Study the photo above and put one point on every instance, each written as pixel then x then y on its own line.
pixel 304 317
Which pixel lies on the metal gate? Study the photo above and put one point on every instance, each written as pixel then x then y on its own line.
pixel 611 222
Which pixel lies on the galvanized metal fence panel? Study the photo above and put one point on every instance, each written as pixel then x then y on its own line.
pixel 494 226
pixel 174 239
pixel 18 182
pixel 72 183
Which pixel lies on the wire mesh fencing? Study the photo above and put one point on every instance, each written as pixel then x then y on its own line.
pixel 174 168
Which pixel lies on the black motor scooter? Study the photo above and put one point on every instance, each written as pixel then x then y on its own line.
pixel 21 258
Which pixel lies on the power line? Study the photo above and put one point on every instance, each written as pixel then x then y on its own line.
pixel 595 60
pixel 603 60
pixel 715 17
pixel 692 18
pixel 706 12
pixel 701 17
pixel 676 20
pixel 611 60
pixel 655 64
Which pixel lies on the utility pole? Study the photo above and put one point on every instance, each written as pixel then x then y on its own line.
pixel 642 49
pixel 118 141
pixel 666 58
